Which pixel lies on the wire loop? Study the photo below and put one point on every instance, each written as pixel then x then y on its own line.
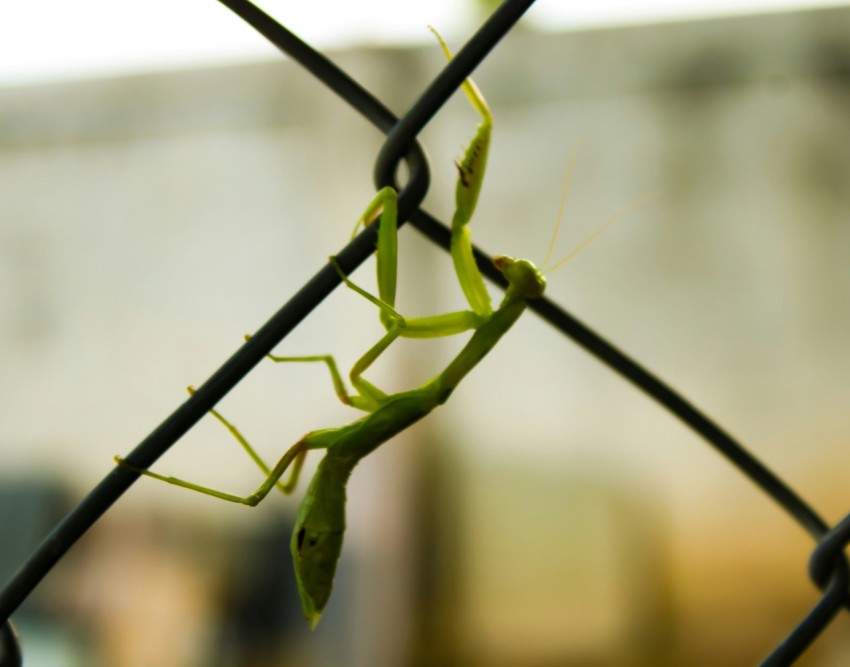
pixel 10 646
pixel 828 555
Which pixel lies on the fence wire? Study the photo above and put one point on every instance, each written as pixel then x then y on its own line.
pixel 828 566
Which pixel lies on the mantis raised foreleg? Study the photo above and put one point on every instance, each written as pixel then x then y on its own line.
pixel 320 523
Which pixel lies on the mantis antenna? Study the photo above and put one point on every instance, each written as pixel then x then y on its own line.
pixel 632 206
pixel 567 183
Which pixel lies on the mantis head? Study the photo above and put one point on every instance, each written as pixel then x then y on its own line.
pixel 524 279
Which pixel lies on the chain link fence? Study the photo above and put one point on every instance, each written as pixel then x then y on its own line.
pixel 828 566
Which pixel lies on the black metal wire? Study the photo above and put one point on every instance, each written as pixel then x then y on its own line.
pixel 447 82
pixel 828 565
pixel 793 646
pixel 10 646
pixel 828 554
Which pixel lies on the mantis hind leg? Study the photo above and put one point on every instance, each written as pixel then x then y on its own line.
pixel 294 457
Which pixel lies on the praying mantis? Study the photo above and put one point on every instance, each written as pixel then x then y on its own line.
pixel 317 537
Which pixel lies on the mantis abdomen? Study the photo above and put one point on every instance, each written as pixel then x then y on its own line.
pixel 320 524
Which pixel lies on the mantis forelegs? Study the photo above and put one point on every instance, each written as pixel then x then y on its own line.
pixel 385 201
pixel 470 177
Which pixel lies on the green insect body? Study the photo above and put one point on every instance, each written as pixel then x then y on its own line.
pixel 320 523
pixel 317 538
pixel 319 526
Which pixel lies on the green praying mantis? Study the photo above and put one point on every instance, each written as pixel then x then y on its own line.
pixel 320 523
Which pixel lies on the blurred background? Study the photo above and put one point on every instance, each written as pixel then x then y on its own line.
pixel 158 203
